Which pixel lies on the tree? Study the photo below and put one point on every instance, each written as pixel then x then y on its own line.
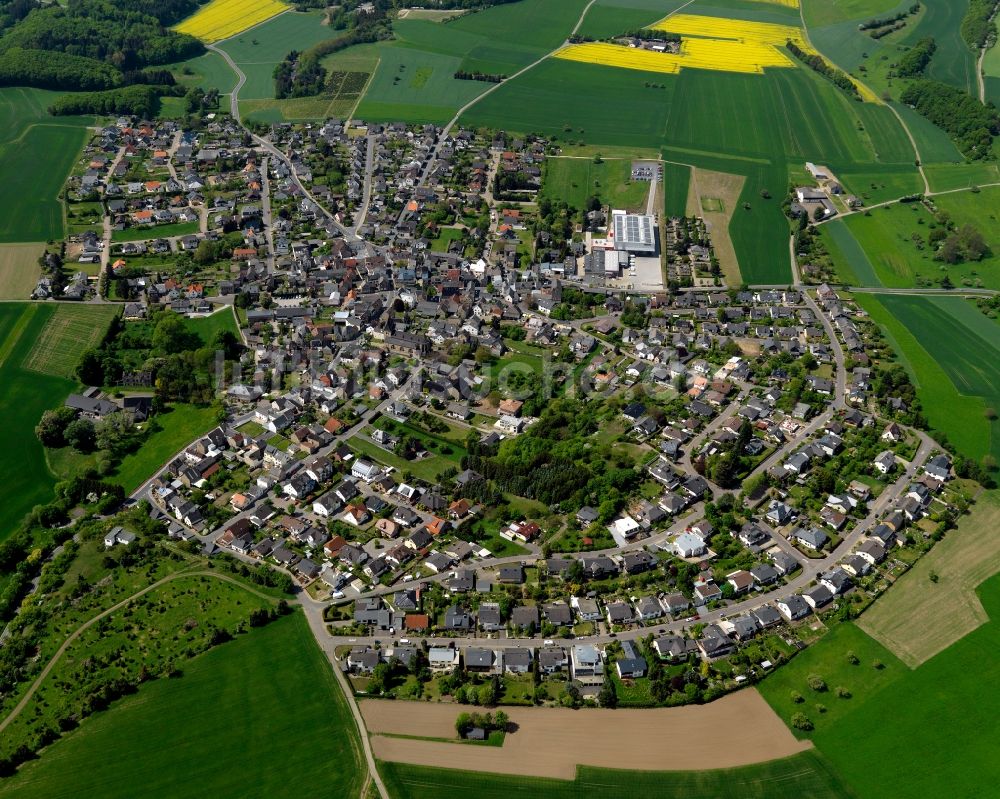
pixel 608 695
pixel 816 682
pixel 170 334
pixel 801 722
pixel 90 369
pixel 51 428
pixel 80 435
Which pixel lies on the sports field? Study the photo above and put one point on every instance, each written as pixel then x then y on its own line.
pixel 220 19
pixel 37 152
pixel 920 617
pixel 575 180
pixel 903 734
pixel 19 270
pixel 231 726
pixel 952 352
pixel 70 331
pixel 796 777
pixel 25 478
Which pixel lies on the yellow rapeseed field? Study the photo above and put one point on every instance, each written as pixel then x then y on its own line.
pixel 725 45
pixel 220 19
pixel 785 3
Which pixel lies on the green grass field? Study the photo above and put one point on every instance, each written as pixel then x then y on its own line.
pixel 208 71
pixel 70 331
pixel 173 430
pixel 173 734
pixel 804 775
pixel 154 231
pixel 904 734
pixel 577 179
pixel 610 17
pixel 676 179
pixel 259 50
pixel 952 352
pixel 893 241
pixel 207 327
pixel 37 152
pixel 25 478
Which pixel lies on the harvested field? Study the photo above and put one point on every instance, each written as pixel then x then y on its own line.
pixel 713 196
pixel 71 331
pixel 919 618
pixel 19 270
pixel 736 730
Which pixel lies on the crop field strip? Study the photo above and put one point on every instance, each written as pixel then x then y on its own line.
pixel 222 19
pixel 70 332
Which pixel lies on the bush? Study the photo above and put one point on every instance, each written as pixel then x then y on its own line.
pixel 797 698
pixel 801 722
pixel 816 683
pixel 843 693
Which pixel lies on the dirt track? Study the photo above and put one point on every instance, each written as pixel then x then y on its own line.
pixel 550 742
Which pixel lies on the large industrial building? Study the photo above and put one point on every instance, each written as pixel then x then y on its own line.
pixel 633 233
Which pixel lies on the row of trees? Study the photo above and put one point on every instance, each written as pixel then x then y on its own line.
pixel 969 123
pixel 881 22
pixel 818 64
pixel 978 26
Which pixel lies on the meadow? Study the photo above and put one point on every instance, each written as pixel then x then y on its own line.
pixel 952 352
pixel 892 240
pixel 19 270
pixel 938 742
pixel 935 603
pixel 802 775
pixel 175 732
pixel 172 430
pixel 25 479
pixel 220 19
pixel 575 180
pixel 37 152
pixel 259 51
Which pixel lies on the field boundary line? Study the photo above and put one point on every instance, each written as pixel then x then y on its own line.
pixel 16 711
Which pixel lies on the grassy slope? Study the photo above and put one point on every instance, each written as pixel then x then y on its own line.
pixel 36 153
pixel 235 725
pixel 174 430
pixel 906 733
pixel 804 775
pixel 936 347
pixel 25 479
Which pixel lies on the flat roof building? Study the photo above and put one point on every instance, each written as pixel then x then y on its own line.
pixel 633 232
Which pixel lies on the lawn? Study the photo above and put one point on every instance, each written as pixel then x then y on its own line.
pixel 804 775
pixel 69 332
pixel 172 431
pixel 905 733
pixel 25 478
pixel 208 327
pixel 426 469
pixel 19 270
pixel 260 50
pixel 173 730
pixel 952 352
pixel 37 152
pixel 576 180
